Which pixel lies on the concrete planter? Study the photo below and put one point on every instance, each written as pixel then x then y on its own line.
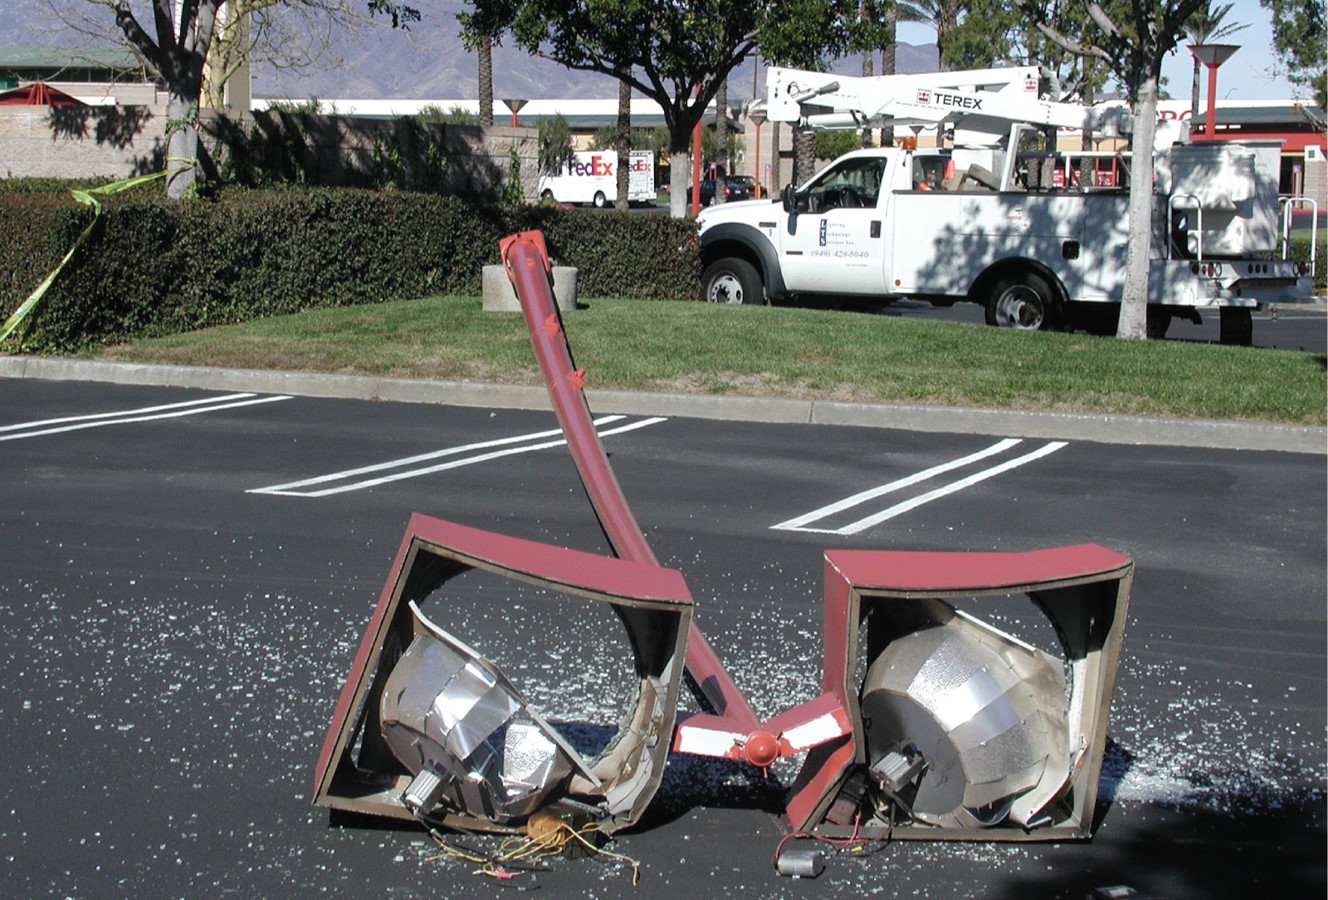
pixel 499 296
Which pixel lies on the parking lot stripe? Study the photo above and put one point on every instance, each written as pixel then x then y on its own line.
pixel 296 488
pixel 802 523
pixel 130 416
pixel 797 523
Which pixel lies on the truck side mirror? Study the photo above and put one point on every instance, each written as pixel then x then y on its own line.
pixel 789 195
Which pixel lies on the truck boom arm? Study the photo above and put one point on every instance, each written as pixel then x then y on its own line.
pixel 982 102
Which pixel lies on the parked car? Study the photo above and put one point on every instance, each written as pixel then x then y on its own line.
pixel 735 188
pixel 747 182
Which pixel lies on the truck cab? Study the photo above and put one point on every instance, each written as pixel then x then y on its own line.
pixel 823 237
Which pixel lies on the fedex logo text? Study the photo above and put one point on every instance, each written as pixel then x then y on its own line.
pixel 597 166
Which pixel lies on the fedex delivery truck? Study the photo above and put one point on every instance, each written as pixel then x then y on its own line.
pixel 591 176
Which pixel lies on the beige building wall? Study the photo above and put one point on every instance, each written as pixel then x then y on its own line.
pixel 80 142
pixel 121 141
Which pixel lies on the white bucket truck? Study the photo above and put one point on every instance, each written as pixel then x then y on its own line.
pixel 1038 239
pixel 591 176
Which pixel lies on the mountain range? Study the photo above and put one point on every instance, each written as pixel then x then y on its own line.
pixel 372 60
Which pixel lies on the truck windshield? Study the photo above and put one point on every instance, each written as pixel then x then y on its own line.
pixel 853 183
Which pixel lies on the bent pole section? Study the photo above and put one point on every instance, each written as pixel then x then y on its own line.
pixel 526 260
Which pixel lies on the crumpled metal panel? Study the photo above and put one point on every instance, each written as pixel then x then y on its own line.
pixel 987 713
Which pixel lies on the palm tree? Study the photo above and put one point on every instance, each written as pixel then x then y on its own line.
pixel 877 25
pixel 1206 27
pixel 484 50
pixel 943 15
pixel 622 142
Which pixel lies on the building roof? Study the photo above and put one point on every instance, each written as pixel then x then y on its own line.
pixel 47 59
pixel 581 114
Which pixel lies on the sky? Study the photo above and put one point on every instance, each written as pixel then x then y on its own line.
pixel 1245 76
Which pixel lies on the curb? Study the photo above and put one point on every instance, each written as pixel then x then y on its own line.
pixel 1107 429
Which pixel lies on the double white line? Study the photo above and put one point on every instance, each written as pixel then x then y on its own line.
pixel 804 522
pixel 410 467
pixel 128 416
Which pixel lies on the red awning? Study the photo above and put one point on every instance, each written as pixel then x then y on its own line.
pixel 38 94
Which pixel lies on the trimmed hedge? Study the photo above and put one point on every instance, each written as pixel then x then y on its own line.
pixel 1300 249
pixel 152 267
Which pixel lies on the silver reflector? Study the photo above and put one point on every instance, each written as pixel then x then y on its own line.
pixel 446 710
pixel 987 713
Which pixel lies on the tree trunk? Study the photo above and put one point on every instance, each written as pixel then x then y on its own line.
pixel 1133 320
pixel 721 139
pixel 182 146
pixel 680 175
pixel 485 53
pixel 623 142
pixel 776 175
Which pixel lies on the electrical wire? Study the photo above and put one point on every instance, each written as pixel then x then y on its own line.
pixel 525 855
pixel 852 841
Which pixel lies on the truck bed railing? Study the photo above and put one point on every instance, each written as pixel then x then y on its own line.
pixel 1288 205
pixel 1197 226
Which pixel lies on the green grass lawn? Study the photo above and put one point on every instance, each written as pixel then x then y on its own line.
pixel 774 351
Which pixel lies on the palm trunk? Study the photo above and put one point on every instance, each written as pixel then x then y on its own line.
pixel 485 53
pixel 864 16
pixel 623 142
pixel 889 55
pixel 1086 98
pixel 721 138
pixel 804 154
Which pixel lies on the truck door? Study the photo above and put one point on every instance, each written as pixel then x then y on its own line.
pixel 832 240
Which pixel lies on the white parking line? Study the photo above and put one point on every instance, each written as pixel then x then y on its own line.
pixel 296 488
pixel 803 522
pixel 129 416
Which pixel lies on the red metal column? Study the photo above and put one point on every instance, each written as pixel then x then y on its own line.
pixel 527 262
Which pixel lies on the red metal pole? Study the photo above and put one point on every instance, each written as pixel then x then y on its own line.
pixel 527 263
pixel 696 162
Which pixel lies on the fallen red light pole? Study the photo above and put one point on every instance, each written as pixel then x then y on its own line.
pixel 971 734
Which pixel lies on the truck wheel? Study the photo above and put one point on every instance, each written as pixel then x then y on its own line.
pixel 1236 326
pixel 1157 322
pixel 600 200
pixel 732 280
pixel 547 195
pixel 1024 301
pixel 1096 318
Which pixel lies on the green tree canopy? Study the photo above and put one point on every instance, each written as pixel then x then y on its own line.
pixel 1301 42
pixel 1132 40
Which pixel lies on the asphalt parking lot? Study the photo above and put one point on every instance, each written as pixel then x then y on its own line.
pixel 188 571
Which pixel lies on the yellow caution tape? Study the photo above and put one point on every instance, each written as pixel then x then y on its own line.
pixel 88 198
